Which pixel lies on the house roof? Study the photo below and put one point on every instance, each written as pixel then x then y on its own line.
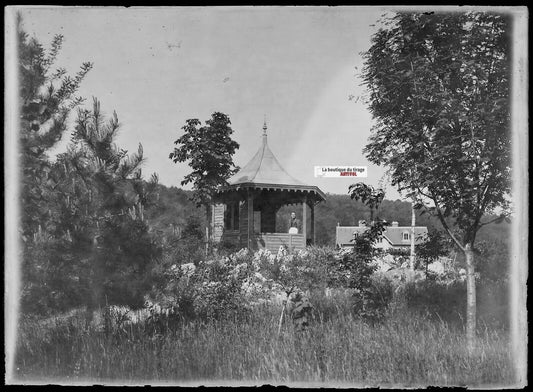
pixel 393 234
pixel 345 234
pixel 264 171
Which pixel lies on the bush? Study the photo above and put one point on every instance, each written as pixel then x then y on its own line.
pixel 225 248
pixel 190 246
pixel 211 289
pixel 405 252
pixel 50 281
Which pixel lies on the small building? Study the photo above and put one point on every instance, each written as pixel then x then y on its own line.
pixel 244 212
pixel 393 237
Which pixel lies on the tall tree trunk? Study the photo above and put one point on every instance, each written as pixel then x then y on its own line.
pixel 96 277
pixel 208 231
pixel 470 296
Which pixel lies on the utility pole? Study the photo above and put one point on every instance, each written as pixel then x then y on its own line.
pixel 413 223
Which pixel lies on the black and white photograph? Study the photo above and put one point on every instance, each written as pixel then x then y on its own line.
pixel 301 196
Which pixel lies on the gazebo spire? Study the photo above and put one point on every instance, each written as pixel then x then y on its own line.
pixel 265 131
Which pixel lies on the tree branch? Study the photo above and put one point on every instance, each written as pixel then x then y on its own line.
pixel 481 224
pixel 445 225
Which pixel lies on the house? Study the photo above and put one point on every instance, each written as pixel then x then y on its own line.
pixel 394 236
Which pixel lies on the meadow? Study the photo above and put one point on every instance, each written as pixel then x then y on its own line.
pixel 404 348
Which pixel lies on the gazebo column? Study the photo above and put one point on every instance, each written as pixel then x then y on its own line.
pixel 313 236
pixel 304 220
pixel 250 219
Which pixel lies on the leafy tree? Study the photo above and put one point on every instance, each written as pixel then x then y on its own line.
pixel 439 92
pixel 355 269
pixel 209 150
pixel 369 196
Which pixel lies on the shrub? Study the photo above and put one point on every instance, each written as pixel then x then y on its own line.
pixel 211 289
pixel 50 282
pixel 405 252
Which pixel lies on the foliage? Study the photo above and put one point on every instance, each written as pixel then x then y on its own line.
pixel 114 203
pixel 439 88
pixel 97 242
pixel 189 246
pixel 302 271
pixel 224 286
pixel 170 210
pixel 380 297
pixel 211 289
pixel 50 281
pixel 439 92
pixel 209 149
pixel 406 349
pixel 435 245
pixel 224 310
pixel 369 196
pixel 355 270
pixel 398 251
pixel 173 206
pixel 46 97
pixel 493 261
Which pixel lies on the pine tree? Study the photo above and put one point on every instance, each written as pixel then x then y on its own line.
pixel 46 98
pixel 106 197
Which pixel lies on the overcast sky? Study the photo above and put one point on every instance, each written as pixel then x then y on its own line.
pixel 157 67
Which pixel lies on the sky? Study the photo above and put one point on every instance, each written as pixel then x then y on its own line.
pixel 157 67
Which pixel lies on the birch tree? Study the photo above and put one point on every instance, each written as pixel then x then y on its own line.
pixel 439 94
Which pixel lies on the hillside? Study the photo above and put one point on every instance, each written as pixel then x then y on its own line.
pixel 173 206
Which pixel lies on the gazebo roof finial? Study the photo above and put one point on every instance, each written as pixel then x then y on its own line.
pixel 265 126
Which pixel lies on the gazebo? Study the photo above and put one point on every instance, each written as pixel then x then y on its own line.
pixel 244 212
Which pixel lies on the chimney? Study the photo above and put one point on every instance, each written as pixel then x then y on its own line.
pixel 394 224
pixel 362 223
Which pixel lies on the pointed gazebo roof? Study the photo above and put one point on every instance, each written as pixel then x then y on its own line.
pixel 265 172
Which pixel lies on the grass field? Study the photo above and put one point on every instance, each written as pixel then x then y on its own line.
pixel 405 349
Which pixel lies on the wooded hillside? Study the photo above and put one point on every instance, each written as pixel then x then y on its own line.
pixel 173 207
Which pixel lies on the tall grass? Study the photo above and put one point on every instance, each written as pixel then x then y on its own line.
pixel 404 349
